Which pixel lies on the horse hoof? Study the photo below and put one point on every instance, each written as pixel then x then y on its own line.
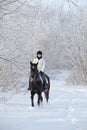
pixel 32 105
pixel 38 104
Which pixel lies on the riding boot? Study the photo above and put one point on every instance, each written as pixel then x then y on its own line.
pixel 45 85
pixel 45 82
pixel 29 88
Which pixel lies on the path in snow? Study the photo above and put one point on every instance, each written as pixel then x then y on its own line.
pixel 66 110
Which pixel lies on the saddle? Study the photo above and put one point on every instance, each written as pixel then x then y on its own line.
pixel 41 77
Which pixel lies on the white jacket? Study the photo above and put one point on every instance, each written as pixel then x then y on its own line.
pixel 41 64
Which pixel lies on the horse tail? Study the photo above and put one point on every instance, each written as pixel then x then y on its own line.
pixel 48 89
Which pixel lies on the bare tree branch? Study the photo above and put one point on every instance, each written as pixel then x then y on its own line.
pixel 13 62
pixel 70 1
pixel 12 11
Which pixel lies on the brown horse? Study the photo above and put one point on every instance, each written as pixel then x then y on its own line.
pixel 37 85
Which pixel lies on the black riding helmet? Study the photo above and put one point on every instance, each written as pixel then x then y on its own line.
pixel 39 55
pixel 39 52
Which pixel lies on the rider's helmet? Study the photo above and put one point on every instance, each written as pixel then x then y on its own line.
pixel 39 54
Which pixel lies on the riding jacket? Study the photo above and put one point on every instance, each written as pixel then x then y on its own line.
pixel 41 64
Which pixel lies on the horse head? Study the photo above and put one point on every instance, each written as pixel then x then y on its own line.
pixel 33 68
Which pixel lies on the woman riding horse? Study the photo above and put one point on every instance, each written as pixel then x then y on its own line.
pixel 41 67
pixel 39 82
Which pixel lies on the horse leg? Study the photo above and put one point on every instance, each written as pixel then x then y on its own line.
pixel 39 98
pixel 32 99
pixel 46 92
pixel 46 95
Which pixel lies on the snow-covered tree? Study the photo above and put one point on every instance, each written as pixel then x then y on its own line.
pixel 57 27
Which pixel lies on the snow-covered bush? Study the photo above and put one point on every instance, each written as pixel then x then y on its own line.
pixel 77 49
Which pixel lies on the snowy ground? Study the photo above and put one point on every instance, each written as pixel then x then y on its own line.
pixel 66 110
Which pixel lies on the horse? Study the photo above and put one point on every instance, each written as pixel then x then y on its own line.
pixel 36 84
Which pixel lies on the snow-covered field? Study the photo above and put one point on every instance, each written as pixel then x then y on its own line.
pixel 66 110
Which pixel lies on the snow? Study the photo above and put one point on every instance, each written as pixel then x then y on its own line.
pixel 66 109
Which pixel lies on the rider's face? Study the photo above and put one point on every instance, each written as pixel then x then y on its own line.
pixel 39 55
